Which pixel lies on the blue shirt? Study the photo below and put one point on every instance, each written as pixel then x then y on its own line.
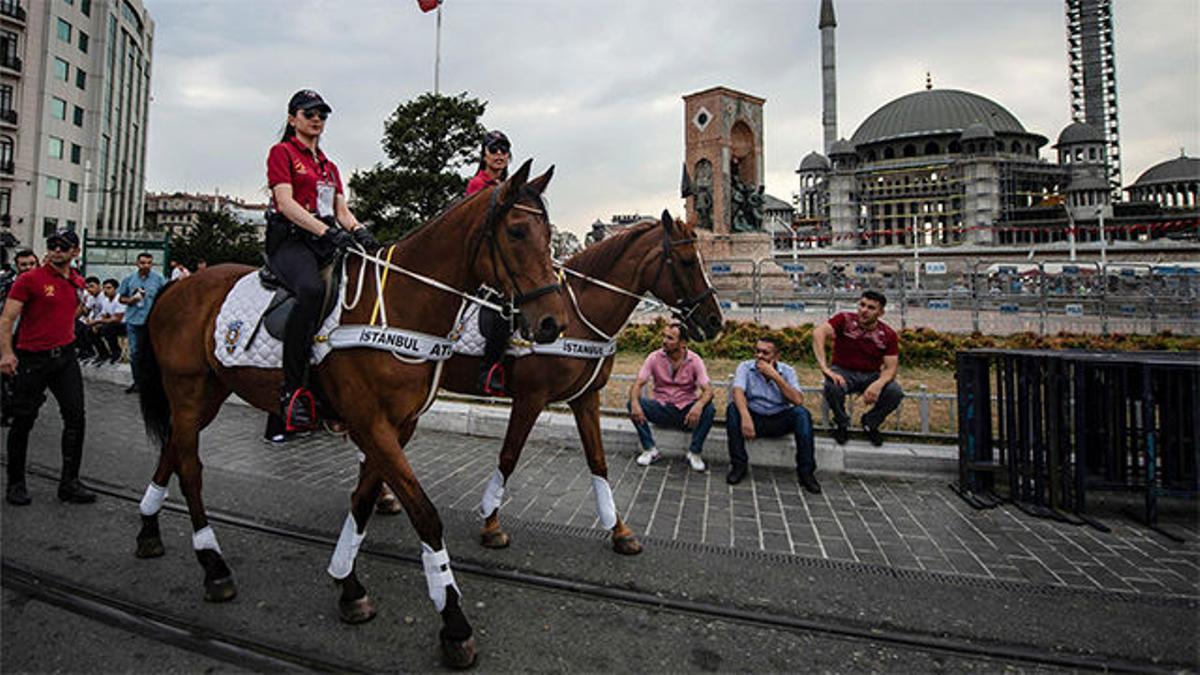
pixel 137 312
pixel 763 396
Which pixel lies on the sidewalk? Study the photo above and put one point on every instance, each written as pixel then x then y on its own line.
pixel 901 523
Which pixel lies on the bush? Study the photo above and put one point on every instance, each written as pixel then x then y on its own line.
pixel 920 347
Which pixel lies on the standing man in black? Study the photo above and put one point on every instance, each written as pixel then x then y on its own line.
pixel 46 300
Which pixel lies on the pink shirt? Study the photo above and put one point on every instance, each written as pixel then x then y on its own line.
pixel 674 387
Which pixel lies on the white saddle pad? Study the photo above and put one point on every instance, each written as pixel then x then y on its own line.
pixel 240 314
pixel 471 342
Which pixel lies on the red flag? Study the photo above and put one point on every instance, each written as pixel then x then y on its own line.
pixel 428 5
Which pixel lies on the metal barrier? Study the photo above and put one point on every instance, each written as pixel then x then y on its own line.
pixel 1062 424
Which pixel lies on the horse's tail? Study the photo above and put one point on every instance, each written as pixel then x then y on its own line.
pixel 156 409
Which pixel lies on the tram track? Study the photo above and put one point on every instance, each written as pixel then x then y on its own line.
pixel 947 645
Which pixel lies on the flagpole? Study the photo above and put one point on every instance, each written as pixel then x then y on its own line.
pixel 437 59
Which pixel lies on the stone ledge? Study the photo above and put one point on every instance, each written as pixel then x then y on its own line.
pixel 895 458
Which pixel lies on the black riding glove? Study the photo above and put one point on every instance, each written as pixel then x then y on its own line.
pixel 365 239
pixel 339 238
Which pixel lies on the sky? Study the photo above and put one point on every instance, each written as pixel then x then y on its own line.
pixel 595 87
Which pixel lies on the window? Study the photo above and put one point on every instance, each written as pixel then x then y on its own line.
pixel 56 147
pixel 72 192
pixel 6 153
pixel 64 31
pixel 58 108
pixel 5 202
pixel 78 119
pixel 69 2
pixel 53 187
pixel 62 70
pixel 85 6
pixel 6 97
pixel 71 225
pixel 83 42
pixel 76 153
pixel 81 78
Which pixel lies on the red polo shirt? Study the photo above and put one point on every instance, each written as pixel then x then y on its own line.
pixel 290 162
pixel 480 181
pixel 855 348
pixel 48 313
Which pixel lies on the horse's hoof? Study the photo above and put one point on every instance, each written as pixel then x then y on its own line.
pixel 149 548
pixel 220 590
pixel 459 655
pixel 627 545
pixel 494 538
pixel 388 504
pixel 361 610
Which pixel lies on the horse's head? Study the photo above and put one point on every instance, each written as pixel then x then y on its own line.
pixel 679 279
pixel 513 254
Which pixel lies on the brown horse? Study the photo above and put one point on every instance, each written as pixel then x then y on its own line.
pixel 499 237
pixel 657 257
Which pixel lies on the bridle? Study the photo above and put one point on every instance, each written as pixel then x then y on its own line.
pixel 488 234
pixel 684 307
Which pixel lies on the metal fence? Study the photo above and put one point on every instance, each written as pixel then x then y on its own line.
pixel 997 298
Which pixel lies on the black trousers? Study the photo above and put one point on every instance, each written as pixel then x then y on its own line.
pixel 107 345
pixel 496 331
pixel 298 266
pixel 58 371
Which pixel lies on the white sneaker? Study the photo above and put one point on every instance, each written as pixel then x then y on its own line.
pixel 648 457
pixel 696 462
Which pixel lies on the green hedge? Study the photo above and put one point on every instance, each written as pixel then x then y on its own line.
pixel 919 347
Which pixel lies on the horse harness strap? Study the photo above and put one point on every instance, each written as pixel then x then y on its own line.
pixel 410 344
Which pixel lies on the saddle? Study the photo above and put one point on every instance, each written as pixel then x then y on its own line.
pixel 275 316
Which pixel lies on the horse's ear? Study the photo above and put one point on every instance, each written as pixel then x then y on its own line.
pixel 667 221
pixel 539 184
pixel 510 188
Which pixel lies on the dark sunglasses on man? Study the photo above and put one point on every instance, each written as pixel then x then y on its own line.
pixel 59 245
pixel 316 113
pixel 498 148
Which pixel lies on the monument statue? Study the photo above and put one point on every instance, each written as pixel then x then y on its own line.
pixel 746 205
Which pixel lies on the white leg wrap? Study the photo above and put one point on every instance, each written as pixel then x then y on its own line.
pixel 493 494
pixel 606 510
pixel 205 539
pixel 153 500
pixel 362 458
pixel 438 575
pixel 342 563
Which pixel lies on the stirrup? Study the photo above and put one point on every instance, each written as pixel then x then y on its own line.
pixel 300 411
pixel 495 374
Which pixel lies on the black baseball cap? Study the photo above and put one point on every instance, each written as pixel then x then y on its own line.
pixel 496 139
pixel 307 99
pixel 66 236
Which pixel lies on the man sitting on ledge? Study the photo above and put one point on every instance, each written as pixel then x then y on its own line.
pixel 767 402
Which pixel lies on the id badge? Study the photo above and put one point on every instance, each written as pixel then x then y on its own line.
pixel 324 200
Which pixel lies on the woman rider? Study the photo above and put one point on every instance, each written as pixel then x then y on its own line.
pixel 303 234
pixel 494 156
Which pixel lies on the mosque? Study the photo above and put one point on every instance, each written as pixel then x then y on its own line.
pixel 944 167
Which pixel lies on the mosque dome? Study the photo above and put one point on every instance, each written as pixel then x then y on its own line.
pixel 932 112
pixel 976 131
pixel 1180 169
pixel 814 161
pixel 1078 132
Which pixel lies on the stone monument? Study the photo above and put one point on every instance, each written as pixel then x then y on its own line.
pixel 723 155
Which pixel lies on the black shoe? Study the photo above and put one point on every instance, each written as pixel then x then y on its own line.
pixel 132 389
pixel 808 481
pixel 298 410
pixel 736 473
pixel 18 495
pixel 841 434
pixel 73 492
pixel 873 433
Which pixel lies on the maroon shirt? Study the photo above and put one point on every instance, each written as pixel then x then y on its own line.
pixel 292 163
pixel 480 181
pixel 48 313
pixel 855 348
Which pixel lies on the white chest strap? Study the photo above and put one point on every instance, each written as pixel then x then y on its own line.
pixel 576 348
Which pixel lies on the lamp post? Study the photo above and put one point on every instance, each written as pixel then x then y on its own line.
pixel 1103 238
pixel 916 256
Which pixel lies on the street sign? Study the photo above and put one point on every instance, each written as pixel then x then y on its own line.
pixel 1070 269
pixel 935 268
pixel 864 269
pixel 1074 310
pixel 1129 309
pixel 794 306
pixel 725 304
pixel 720 268
pixel 939 304
pixel 793 268
pixel 1010 309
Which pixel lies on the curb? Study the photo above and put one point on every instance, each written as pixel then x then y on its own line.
pixel 894 458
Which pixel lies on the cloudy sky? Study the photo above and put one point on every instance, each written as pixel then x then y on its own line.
pixel 595 86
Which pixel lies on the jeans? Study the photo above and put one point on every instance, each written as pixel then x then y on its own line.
pixel 795 420
pixel 666 415
pixel 135 333
pixel 36 372
pixel 856 383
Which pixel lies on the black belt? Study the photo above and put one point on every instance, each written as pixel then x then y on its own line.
pixel 53 353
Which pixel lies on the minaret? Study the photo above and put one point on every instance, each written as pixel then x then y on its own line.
pixel 828 74
pixel 1092 51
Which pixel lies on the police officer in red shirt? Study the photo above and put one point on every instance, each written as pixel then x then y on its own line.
pixel 308 223
pixel 866 356
pixel 46 300
pixel 495 153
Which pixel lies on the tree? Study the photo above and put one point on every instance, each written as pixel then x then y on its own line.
pixel 428 141
pixel 563 243
pixel 218 237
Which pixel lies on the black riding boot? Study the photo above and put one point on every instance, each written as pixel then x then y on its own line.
pixel 496 331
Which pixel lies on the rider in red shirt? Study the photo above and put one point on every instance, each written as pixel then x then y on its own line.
pixel 494 156
pixel 46 300
pixel 495 152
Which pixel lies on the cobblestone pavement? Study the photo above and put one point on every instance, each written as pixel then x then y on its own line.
pixel 909 524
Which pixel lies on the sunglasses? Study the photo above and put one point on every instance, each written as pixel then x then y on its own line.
pixel 498 149
pixel 58 245
pixel 316 113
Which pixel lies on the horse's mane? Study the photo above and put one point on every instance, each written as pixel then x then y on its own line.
pixel 600 257
pixel 439 217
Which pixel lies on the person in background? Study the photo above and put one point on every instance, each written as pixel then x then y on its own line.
pixel 46 300
pixel 179 271
pixel 85 347
pixel 866 357
pixel 109 324
pixel 25 260
pixel 137 292
pixel 682 396
pixel 767 402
